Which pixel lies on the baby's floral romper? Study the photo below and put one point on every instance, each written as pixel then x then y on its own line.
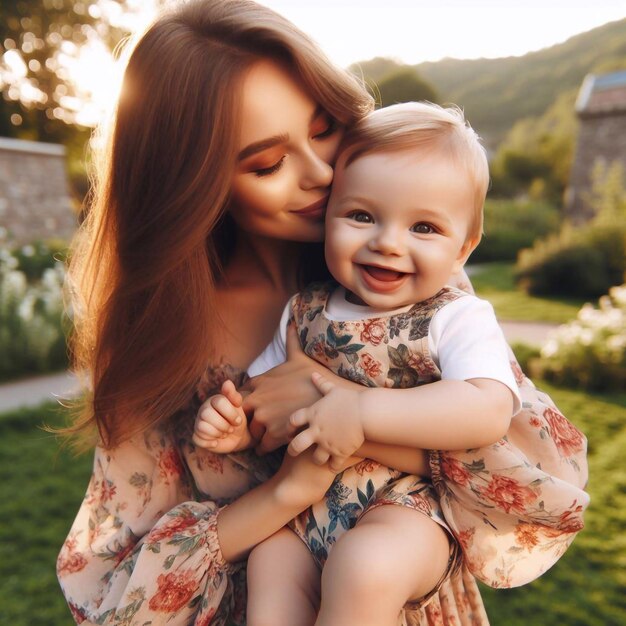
pixel 514 506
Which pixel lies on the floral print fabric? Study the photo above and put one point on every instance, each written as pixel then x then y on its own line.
pixel 514 506
pixel 144 547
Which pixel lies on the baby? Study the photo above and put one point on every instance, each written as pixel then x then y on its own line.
pixel 429 361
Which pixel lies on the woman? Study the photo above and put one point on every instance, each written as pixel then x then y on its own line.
pixel 189 252
pixel 206 218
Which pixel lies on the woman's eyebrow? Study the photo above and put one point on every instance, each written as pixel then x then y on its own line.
pixel 270 142
pixel 259 146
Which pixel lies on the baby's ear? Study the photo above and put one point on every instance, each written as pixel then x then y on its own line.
pixel 466 249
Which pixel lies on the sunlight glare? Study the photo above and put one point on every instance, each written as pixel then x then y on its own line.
pixel 98 77
pixel 15 63
pixel 96 72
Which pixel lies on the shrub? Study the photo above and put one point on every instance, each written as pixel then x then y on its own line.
pixel 525 355
pixel 38 256
pixel 589 352
pixel 32 338
pixel 586 260
pixel 512 225
pixel 576 262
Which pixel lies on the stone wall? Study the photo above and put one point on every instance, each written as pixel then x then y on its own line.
pixel 600 138
pixel 35 201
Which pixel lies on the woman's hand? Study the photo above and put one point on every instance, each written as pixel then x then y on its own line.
pixel 278 393
pixel 300 481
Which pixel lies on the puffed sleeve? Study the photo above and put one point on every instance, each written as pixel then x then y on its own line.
pixel 516 506
pixel 140 551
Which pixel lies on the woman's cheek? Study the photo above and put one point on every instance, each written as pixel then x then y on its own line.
pixel 257 196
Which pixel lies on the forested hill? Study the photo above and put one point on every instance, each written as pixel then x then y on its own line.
pixel 495 93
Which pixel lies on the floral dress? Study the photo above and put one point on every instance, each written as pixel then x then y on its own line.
pixel 143 548
pixel 514 506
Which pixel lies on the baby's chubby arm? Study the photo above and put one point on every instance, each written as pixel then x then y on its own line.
pixel 221 425
pixel 444 415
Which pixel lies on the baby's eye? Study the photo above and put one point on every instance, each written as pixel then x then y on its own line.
pixel 361 216
pixel 422 228
pixel 329 128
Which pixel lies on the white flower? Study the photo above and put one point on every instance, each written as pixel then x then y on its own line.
pixel 550 348
pixel 618 294
pixel 26 307
pixel 616 343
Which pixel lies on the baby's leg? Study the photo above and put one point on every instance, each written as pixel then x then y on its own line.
pixel 394 554
pixel 283 582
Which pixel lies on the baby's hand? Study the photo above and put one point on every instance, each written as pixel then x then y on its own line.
pixel 221 425
pixel 333 423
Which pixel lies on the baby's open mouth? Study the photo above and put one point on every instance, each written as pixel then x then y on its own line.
pixel 383 274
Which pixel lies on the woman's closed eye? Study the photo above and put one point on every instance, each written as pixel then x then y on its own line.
pixel 423 228
pixel 360 216
pixel 267 171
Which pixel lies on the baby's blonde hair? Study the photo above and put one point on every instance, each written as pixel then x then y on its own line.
pixel 423 125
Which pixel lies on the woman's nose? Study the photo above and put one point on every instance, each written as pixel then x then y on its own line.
pixel 316 172
pixel 388 240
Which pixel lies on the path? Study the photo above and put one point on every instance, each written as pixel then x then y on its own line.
pixel 34 391
pixel 531 333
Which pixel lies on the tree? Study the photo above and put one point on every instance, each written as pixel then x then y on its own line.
pixel 405 86
pixel 537 153
pixel 41 43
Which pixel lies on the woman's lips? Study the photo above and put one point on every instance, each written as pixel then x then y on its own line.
pixel 314 211
pixel 381 279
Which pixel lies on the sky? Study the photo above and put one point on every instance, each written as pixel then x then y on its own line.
pixel 413 31
pixel 410 31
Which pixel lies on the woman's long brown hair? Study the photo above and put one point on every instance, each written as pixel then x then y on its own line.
pixel 146 260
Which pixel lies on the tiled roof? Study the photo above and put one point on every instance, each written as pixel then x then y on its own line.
pixel 605 93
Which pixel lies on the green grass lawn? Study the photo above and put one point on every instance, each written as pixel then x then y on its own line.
pixel 494 282
pixel 41 487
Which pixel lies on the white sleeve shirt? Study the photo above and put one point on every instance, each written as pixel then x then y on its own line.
pixel 464 340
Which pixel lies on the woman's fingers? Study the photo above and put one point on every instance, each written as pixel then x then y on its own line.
pixel 301 442
pixel 257 430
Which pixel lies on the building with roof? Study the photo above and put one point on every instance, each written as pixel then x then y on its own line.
pixel 35 201
pixel 601 109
